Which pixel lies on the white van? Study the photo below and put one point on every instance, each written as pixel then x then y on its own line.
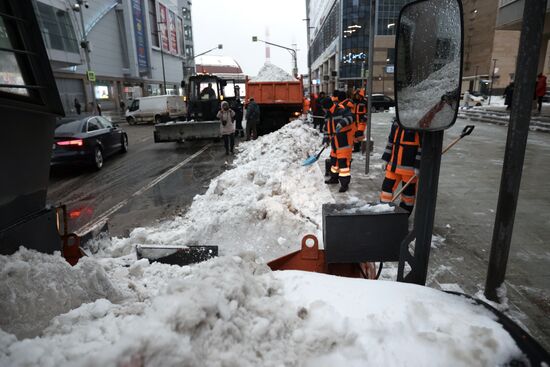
pixel 156 109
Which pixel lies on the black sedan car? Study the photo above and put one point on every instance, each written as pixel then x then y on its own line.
pixel 381 102
pixel 87 141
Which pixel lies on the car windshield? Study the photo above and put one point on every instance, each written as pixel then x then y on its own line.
pixel 71 127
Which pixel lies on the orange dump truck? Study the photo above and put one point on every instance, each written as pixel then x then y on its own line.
pixel 280 102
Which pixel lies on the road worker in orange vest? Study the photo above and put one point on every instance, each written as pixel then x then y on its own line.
pixel 339 132
pixel 402 157
pixel 360 111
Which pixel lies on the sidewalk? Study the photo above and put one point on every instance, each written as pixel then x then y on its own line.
pixel 467 197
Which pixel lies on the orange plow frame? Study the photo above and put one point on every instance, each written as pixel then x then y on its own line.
pixel 311 258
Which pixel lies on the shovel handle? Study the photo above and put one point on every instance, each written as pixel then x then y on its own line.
pixel 321 151
pixel 398 194
pixel 465 132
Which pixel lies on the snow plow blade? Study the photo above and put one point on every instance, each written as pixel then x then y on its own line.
pixel 176 255
pixel 311 258
pixel 186 130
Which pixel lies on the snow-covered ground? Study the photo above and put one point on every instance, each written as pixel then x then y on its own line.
pixel 114 310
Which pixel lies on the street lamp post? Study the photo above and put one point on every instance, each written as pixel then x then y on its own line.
pixel 218 47
pixel 86 46
pixel 162 56
pixel 291 50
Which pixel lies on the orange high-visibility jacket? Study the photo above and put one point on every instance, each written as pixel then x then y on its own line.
pixel 403 150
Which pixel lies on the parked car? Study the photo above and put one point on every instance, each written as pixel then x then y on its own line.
pixel 87 141
pixel 381 102
pixel 156 109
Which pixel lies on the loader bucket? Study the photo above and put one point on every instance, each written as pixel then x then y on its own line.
pixel 186 130
pixel 311 258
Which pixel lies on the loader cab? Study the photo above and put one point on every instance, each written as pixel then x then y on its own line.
pixel 205 95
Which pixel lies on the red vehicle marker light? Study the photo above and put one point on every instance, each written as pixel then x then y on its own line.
pixel 77 142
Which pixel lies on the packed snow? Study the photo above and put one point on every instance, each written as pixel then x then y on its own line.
pixel 368 208
pixel 267 195
pixel 233 311
pixel 112 309
pixel 272 73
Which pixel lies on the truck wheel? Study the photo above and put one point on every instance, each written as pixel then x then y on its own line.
pixel 158 119
pixel 130 120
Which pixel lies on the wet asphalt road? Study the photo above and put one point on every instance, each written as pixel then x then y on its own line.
pixel 123 191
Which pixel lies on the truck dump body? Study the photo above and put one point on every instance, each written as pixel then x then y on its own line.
pixel 279 93
pixel 279 102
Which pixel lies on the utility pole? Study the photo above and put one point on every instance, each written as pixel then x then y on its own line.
pixel 370 78
pixel 86 46
pixel 514 154
pixel 492 81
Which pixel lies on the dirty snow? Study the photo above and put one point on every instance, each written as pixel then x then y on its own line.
pixel 268 202
pixel 233 311
pixel 272 73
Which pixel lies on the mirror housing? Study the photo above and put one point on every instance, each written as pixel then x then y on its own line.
pixel 428 69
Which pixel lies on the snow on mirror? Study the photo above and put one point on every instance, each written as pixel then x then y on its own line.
pixel 429 63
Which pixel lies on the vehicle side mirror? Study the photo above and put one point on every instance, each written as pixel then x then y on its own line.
pixel 428 68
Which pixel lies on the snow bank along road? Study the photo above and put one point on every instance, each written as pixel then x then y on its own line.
pixel 114 310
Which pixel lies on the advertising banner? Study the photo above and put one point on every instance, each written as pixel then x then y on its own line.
pixel 164 27
pixel 173 34
pixel 139 34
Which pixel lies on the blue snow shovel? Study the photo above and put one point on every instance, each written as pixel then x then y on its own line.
pixel 312 159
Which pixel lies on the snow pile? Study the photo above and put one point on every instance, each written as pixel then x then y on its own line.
pixel 233 311
pixel 272 73
pixel 400 324
pixel 35 287
pixel 269 195
pixel 368 208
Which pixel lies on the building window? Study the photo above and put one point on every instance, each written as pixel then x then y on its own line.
pixel 186 13
pixel 188 32
pixel 57 28
pixel 189 52
pixel 153 23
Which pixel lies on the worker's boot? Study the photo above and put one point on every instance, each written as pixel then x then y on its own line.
pixel 333 180
pixel 344 183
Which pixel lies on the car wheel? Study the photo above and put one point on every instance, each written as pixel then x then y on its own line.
pixel 158 119
pixel 124 146
pixel 131 120
pixel 98 158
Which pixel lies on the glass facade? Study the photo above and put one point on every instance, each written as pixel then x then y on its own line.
pixel 388 12
pixel 349 20
pixel 355 39
pixel 328 33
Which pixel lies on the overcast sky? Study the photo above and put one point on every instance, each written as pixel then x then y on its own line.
pixel 234 22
